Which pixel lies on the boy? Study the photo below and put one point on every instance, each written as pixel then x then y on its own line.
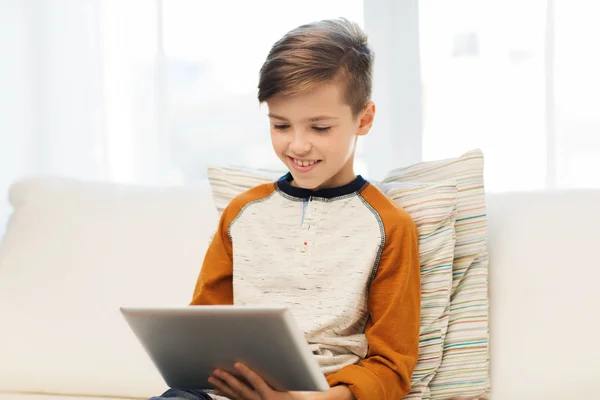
pixel 321 240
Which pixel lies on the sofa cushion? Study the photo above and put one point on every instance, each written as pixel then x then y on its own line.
pixel 544 296
pixel 74 253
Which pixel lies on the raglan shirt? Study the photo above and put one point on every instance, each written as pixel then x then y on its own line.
pixel 344 260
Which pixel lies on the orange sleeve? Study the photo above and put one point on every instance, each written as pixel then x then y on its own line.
pixel 394 306
pixel 215 281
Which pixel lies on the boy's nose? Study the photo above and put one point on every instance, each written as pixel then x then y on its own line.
pixel 300 145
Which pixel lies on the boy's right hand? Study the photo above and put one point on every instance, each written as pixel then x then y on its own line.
pixel 229 386
pixel 257 389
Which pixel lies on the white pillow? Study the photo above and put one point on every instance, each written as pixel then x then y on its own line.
pixel 73 254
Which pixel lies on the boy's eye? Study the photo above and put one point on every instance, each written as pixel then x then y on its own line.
pixel 321 129
pixel 281 127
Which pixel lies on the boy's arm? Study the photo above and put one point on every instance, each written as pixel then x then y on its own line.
pixel 393 328
pixel 215 282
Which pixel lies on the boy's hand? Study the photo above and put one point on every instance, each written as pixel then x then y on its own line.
pixel 257 389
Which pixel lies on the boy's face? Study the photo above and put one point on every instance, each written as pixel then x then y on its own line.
pixel 315 133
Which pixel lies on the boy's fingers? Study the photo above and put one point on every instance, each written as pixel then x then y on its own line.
pixel 254 379
pixel 223 389
pixel 241 390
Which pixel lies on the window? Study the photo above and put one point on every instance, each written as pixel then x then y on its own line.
pixel 483 74
pixel 577 93
pixel 518 79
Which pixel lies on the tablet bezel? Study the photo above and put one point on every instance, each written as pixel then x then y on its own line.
pixel 272 329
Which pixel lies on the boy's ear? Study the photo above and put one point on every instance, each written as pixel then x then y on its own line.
pixel 366 119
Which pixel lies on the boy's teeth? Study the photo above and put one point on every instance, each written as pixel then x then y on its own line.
pixel 304 163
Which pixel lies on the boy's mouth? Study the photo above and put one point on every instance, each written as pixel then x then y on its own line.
pixel 303 165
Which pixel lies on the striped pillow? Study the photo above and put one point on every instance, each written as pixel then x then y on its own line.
pixel 228 182
pixel 433 208
pixel 464 372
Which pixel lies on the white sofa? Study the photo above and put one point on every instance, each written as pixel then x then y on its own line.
pixel 74 252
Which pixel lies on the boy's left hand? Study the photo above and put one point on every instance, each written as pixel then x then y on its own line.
pixel 257 389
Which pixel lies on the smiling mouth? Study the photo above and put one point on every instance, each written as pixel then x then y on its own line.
pixel 303 165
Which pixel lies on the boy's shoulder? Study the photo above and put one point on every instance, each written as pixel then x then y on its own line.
pixel 257 193
pixel 391 213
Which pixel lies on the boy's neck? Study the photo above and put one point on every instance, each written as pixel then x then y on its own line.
pixel 288 186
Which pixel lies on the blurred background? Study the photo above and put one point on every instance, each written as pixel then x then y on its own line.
pixel 154 91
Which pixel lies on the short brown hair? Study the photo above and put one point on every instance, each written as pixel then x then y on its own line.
pixel 318 53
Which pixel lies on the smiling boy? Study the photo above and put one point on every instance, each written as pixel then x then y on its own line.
pixel 321 240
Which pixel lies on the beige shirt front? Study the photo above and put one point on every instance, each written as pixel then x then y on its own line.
pixel 343 260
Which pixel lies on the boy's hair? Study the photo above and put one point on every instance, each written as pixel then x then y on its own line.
pixel 317 53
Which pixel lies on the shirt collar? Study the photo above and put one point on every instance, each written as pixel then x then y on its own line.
pixel 284 184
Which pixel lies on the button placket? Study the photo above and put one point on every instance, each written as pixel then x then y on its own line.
pixel 306 227
pixel 305 237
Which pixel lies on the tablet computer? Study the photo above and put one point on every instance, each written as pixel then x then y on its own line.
pixel 187 343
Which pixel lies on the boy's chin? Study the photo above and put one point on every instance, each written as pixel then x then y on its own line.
pixel 308 184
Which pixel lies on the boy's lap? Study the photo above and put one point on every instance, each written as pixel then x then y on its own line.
pixel 176 394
